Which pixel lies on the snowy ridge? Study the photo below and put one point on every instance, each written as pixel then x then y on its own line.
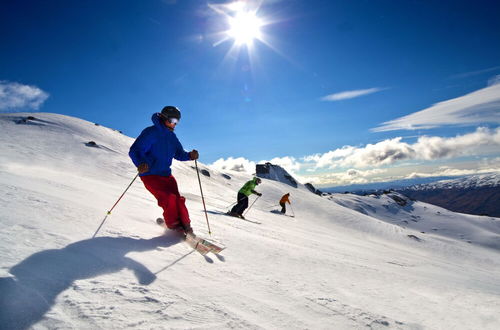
pixel 400 210
pixel 468 182
pixel 351 264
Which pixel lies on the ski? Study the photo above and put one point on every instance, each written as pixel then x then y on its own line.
pixel 237 217
pixel 194 242
pixel 201 245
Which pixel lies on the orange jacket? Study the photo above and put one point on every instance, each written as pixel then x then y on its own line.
pixel 285 199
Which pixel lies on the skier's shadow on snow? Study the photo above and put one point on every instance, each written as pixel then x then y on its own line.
pixel 41 277
pixel 225 213
pixel 217 212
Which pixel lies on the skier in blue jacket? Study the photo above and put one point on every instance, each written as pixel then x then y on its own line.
pixel 152 153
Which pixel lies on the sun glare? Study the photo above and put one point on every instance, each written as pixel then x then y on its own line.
pixel 244 27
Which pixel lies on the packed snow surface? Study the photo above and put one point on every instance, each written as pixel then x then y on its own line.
pixel 345 263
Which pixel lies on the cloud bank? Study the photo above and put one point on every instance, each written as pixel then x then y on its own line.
pixel 450 171
pixel 18 96
pixel 350 177
pixel 390 151
pixel 351 94
pixel 479 107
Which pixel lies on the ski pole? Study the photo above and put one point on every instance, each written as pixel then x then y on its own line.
pixel 251 205
pixel 228 207
pixel 291 208
pixel 202 198
pixel 109 212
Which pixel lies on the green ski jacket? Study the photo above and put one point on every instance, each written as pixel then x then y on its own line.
pixel 249 187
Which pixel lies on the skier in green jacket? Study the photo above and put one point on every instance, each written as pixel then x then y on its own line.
pixel 243 193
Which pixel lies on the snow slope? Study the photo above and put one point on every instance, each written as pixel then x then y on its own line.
pixel 329 267
pixel 400 210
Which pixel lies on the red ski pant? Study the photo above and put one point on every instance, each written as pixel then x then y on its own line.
pixel 173 204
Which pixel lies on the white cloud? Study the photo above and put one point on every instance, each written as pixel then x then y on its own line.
pixel 351 94
pixel 327 158
pixel 429 148
pixel 239 164
pixel 481 106
pixel 387 152
pixel 382 153
pixel 18 96
pixel 351 176
pixel 290 164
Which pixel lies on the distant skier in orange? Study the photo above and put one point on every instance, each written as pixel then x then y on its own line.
pixel 284 200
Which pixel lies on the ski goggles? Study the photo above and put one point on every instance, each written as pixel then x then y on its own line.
pixel 173 120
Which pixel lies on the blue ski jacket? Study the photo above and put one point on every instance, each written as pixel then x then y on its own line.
pixel 156 146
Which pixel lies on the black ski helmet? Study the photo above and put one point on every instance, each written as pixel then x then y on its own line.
pixel 170 112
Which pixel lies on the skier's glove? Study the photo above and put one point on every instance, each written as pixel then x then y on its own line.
pixel 143 168
pixel 259 194
pixel 194 154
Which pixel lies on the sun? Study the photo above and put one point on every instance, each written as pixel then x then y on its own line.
pixel 244 27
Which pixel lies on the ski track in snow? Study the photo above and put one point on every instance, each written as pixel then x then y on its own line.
pixel 343 261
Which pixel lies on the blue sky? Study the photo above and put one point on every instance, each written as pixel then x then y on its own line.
pixel 338 92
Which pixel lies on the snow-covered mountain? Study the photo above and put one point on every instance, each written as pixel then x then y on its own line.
pixel 279 174
pixel 467 182
pixel 276 173
pixel 349 264
pixel 476 194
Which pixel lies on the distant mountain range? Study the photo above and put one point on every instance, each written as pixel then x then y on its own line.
pixel 476 194
pixel 468 182
pixel 398 184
